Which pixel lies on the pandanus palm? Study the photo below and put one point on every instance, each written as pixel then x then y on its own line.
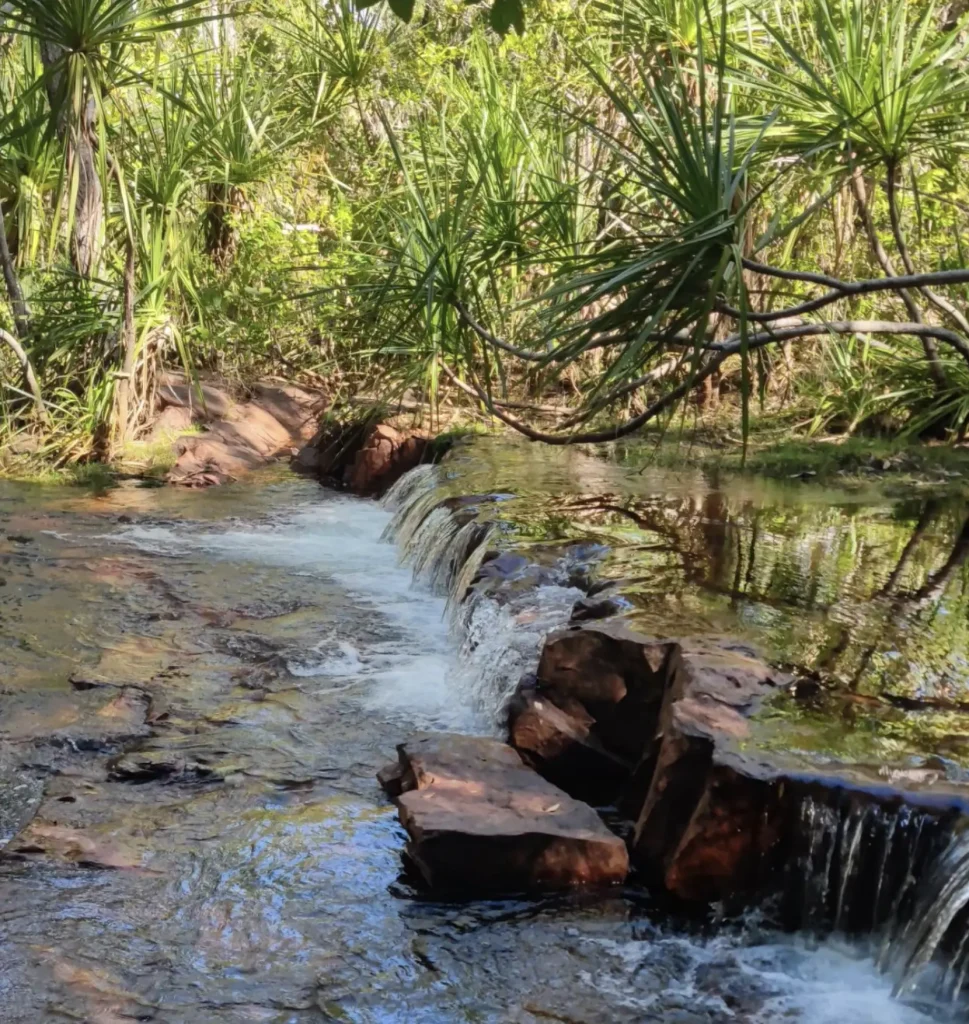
pixel 236 141
pixel 867 88
pixel 84 46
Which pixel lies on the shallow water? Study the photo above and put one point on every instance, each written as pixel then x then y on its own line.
pixel 286 652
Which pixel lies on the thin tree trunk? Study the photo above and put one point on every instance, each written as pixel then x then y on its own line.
pixel 77 130
pixel 123 425
pixel 30 378
pixel 885 261
pixel 939 301
pixel 21 314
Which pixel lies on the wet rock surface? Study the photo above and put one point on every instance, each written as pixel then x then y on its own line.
pixel 660 710
pixel 478 820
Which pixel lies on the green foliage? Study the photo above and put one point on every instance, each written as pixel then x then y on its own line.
pixel 566 216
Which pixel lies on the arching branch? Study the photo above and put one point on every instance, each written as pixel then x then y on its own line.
pixel 716 354
pixel 840 289
pixel 30 377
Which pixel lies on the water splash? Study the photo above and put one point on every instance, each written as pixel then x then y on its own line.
pixel 940 923
pixel 896 873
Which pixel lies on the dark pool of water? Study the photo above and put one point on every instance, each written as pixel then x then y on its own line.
pixel 285 653
pixel 863 588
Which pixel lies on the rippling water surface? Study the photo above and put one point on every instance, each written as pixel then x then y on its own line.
pixel 286 652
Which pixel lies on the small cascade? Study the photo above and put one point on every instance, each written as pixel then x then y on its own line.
pixel 938 930
pixel 894 872
pixel 445 543
pixel 443 548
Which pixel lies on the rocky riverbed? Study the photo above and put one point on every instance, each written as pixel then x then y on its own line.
pixel 199 689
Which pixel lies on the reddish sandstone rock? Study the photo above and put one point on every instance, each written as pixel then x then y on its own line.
pixel 479 820
pixel 559 746
pixel 385 457
pixel 365 458
pixel 618 675
pixel 240 435
pixel 676 713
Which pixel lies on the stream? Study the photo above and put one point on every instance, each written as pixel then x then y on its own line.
pixel 250 870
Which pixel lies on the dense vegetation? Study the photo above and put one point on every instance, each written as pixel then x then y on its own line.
pixel 618 214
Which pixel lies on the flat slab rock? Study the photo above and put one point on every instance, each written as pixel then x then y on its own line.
pixel 479 820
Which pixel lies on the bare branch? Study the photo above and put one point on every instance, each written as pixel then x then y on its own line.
pixel 840 289
pixel 486 335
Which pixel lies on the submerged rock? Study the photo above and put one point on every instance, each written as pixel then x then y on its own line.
pixel 99 719
pixel 478 819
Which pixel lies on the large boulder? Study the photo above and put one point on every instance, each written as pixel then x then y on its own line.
pixel 618 675
pixel 240 433
pixel 657 725
pixel 479 820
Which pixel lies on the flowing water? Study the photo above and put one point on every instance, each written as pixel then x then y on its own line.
pixel 251 872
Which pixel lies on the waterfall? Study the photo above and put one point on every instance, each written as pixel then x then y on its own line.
pixel 445 541
pixel 897 873
pixel 442 549
pixel 939 927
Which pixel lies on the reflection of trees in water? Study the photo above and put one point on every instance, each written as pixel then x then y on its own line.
pixel 875 597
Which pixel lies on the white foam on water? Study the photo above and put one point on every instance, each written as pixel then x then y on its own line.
pixel 783 979
pixel 424 673
pixel 503 641
pixel 331 659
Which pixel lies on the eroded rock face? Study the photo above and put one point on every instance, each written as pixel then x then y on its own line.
pixel 479 820
pixel 618 675
pixel 364 458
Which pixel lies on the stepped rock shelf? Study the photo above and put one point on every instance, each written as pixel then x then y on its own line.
pixel 729 779
pixel 478 817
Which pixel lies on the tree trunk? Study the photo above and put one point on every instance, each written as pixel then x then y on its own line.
pixel 77 131
pixel 30 378
pixel 129 335
pixel 21 314
pixel 885 261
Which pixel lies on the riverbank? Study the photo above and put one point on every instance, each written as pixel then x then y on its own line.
pixel 771 453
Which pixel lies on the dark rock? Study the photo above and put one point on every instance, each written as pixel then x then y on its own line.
pixel 504 566
pixel 145 766
pixel 479 820
pixel 619 675
pixel 671 712
pixel 559 746
pixel 391 779
pixel 590 609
